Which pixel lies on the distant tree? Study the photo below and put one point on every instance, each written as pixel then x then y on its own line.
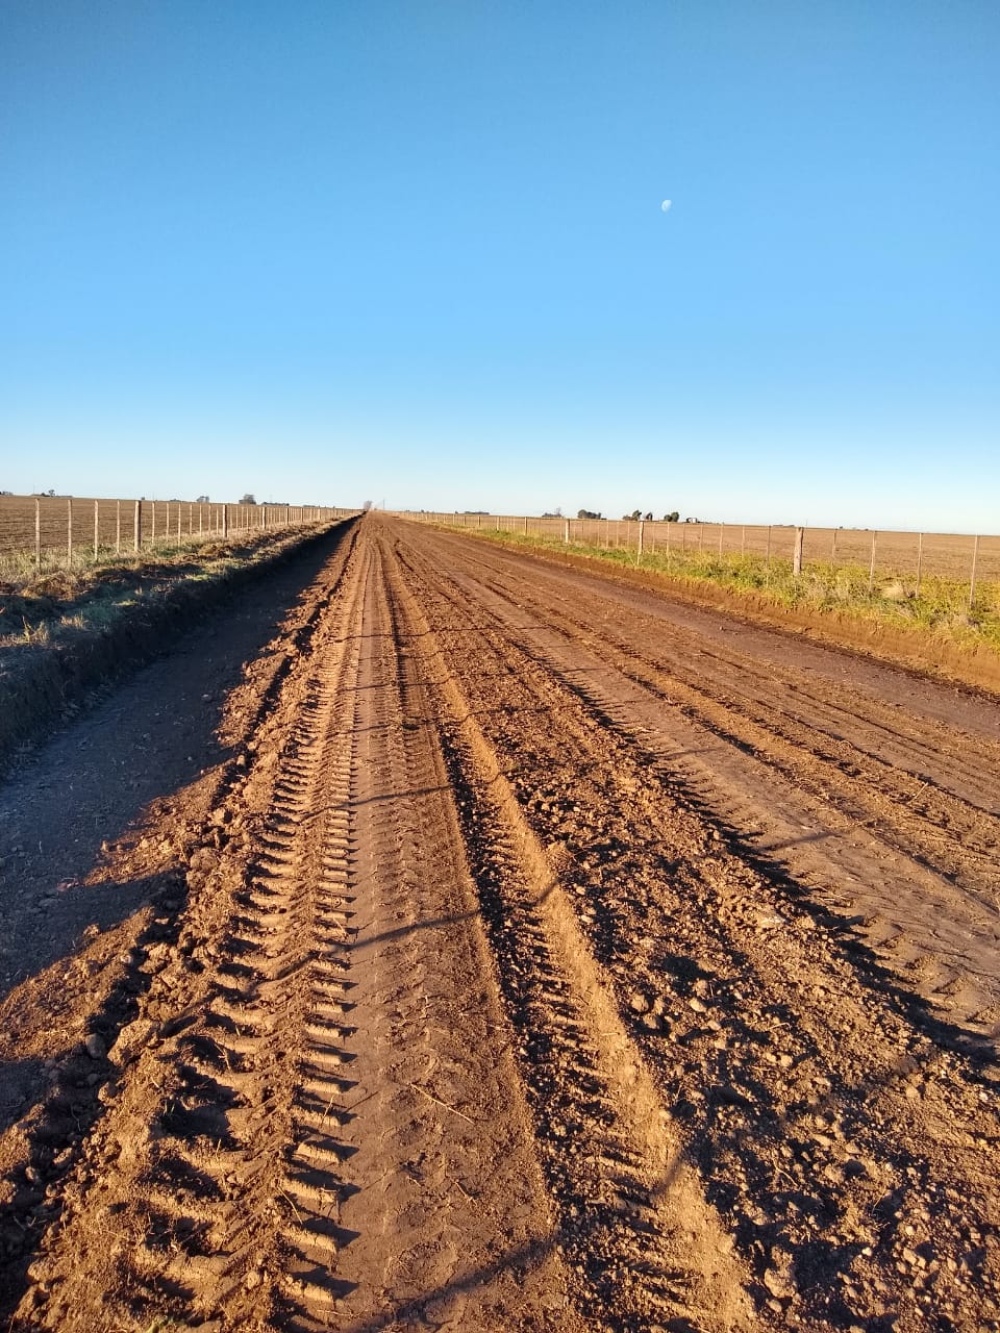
pixel 587 513
pixel 247 499
pixel 634 517
pixel 648 516
pixel 366 506
pixel 672 517
pixel 202 500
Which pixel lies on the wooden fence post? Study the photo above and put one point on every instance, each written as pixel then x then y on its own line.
pixel 833 548
pixel 38 533
pixel 225 522
pixel 97 527
pixel 641 540
pixel 871 568
pixel 152 523
pixel 69 530
pixel 179 521
pixel 743 541
pixel 118 527
pixel 972 578
pixel 566 531
pixel 800 534
pixel 767 555
pixel 920 560
pixel 137 523
pixel 722 530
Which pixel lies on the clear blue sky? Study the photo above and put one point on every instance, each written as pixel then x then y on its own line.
pixel 415 251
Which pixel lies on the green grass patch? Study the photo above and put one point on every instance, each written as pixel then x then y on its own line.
pixel 941 608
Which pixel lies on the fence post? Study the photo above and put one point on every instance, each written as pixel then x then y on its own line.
pixel 38 533
pixel 871 569
pixel 640 543
pixel 833 548
pixel 137 525
pixel 118 527
pixel 566 531
pixel 701 538
pixel 800 534
pixel 225 522
pixel 69 530
pixel 920 560
pixel 972 578
pixel 722 529
pixel 152 523
pixel 180 520
pixel 743 541
pixel 97 527
pixel 767 556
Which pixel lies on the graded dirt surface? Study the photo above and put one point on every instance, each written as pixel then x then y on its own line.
pixel 444 939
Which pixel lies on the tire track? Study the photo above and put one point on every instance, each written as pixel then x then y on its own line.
pixel 300 1136
pixel 929 804
pixel 634 1226
pixel 852 1159
pixel 107 992
pixel 453 1223
pixel 841 836
pixel 207 1178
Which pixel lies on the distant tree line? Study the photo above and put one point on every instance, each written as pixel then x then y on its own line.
pixel 635 516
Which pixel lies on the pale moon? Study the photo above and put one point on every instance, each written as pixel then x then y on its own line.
pixel 666 205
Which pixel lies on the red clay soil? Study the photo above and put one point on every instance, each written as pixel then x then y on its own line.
pixel 444 939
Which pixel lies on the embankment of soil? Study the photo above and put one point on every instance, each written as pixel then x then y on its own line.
pixel 42 680
pixel 960 661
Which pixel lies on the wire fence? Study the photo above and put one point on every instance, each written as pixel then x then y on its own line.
pixel 50 531
pixel 904 558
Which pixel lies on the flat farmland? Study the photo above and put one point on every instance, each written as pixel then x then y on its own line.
pixel 77 528
pixel 896 554
pixel 448 939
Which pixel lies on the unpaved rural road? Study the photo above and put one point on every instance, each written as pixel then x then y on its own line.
pixel 452 940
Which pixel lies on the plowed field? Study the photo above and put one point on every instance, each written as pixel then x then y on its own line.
pixel 450 940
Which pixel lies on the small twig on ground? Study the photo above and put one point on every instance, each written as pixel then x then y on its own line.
pixel 437 1100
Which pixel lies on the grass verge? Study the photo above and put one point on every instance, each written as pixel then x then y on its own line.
pixel 63 631
pixel 935 632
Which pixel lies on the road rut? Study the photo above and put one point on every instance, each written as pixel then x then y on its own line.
pixel 529 962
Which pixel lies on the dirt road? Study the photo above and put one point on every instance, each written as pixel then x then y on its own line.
pixel 504 948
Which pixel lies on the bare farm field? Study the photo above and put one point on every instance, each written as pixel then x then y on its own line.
pixel 442 938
